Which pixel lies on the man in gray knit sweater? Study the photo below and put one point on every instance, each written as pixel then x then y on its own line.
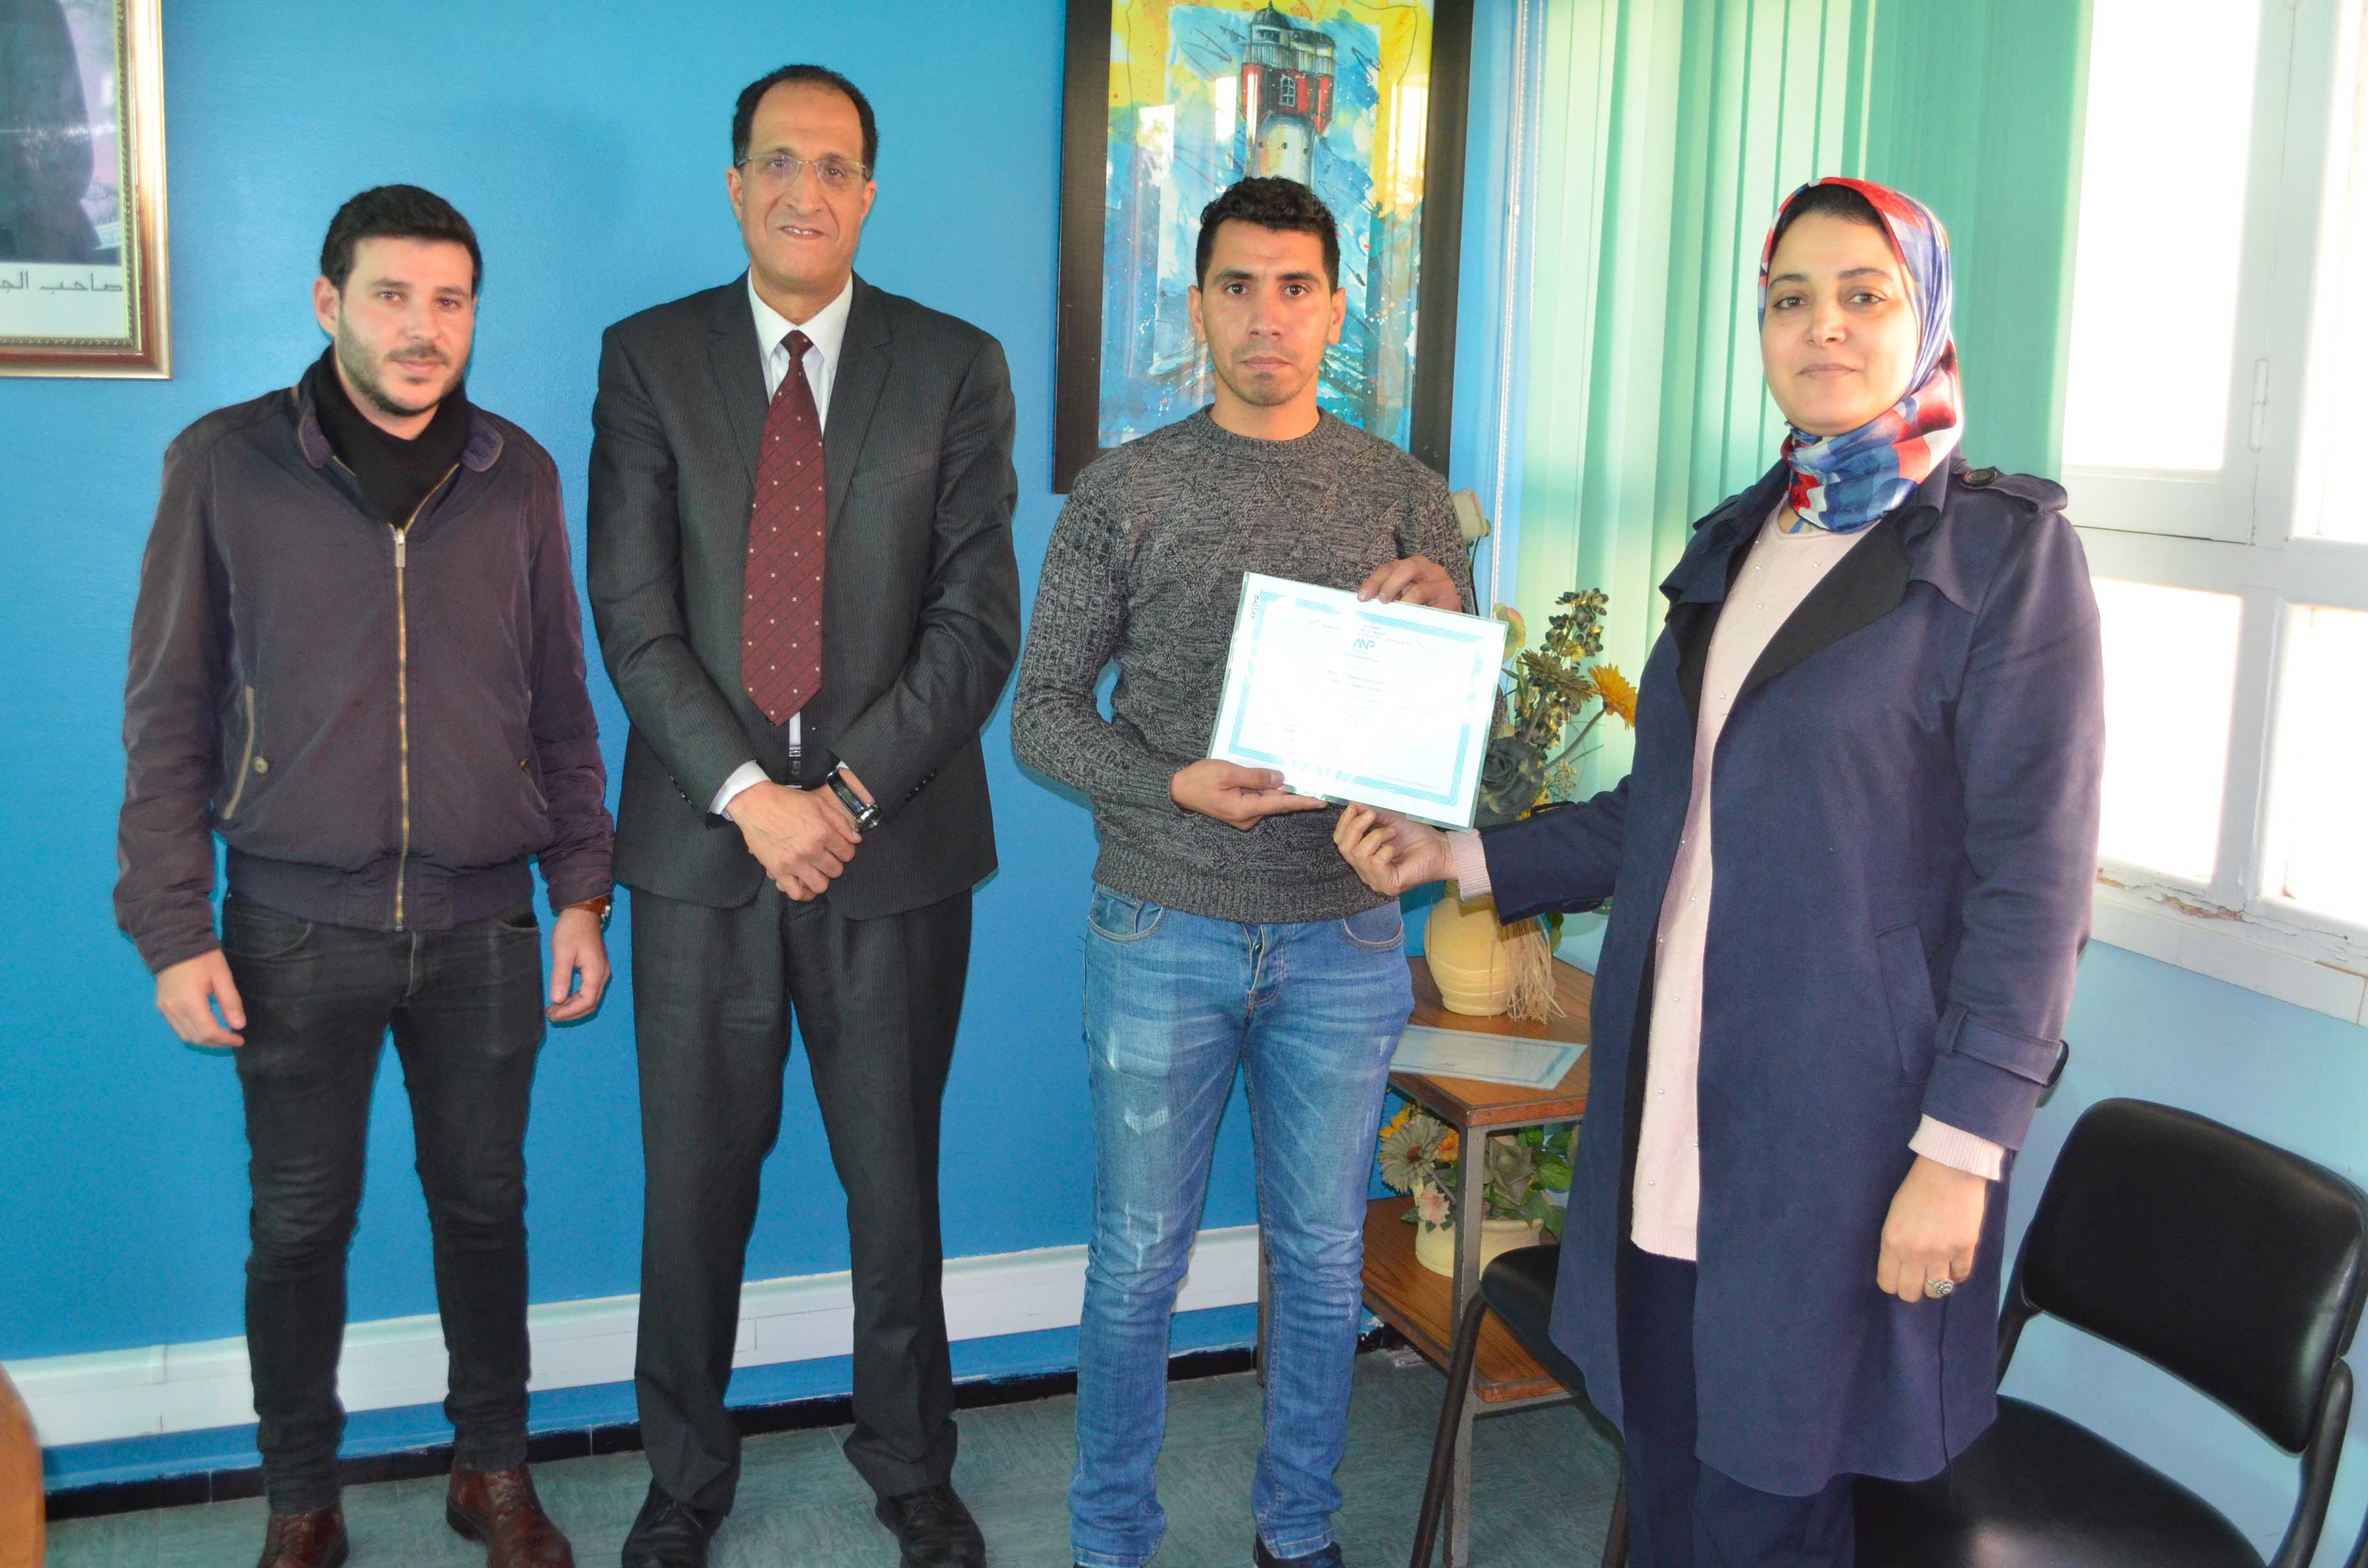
pixel 1225 931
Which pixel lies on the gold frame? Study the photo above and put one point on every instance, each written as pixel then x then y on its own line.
pixel 148 351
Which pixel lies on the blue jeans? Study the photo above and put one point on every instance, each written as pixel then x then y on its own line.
pixel 1174 1002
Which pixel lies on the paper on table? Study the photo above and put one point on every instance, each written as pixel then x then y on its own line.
pixel 1491 1058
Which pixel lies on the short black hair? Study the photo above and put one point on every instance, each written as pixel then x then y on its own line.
pixel 1271 203
pixel 1834 201
pixel 396 213
pixel 743 113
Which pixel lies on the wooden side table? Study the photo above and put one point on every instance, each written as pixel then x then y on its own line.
pixel 1421 1305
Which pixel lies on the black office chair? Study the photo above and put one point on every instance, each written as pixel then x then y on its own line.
pixel 1518 1287
pixel 2220 1258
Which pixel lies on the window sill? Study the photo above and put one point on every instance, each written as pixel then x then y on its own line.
pixel 2238 950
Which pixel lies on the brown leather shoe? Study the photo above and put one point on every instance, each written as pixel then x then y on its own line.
pixel 500 1508
pixel 304 1541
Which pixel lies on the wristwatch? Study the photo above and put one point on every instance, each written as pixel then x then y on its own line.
pixel 867 816
pixel 599 906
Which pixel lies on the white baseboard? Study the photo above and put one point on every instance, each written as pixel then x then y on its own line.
pixel 400 1361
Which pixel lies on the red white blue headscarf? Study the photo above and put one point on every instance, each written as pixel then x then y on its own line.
pixel 1845 482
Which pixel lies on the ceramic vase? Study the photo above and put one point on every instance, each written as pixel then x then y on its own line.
pixel 1470 955
pixel 1434 1245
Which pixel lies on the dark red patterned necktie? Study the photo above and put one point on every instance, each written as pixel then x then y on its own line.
pixel 781 635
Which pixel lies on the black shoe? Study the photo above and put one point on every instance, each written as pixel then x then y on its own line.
pixel 669 1532
pixel 933 1529
pixel 1329 1557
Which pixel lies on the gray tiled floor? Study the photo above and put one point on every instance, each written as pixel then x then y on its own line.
pixel 1542 1490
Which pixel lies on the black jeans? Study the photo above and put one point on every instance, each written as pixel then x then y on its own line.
pixel 466 1009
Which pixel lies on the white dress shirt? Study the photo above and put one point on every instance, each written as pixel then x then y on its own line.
pixel 825 332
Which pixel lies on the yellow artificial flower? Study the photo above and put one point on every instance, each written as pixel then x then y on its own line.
pixel 1517 630
pixel 1619 697
pixel 1449 1143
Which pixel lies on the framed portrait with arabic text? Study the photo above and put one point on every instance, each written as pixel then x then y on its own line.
pixel 1167 103
pixel 82 190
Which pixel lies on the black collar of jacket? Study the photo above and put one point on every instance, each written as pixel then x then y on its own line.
pixel 855 383
pixel 1867 584
pixel 482 450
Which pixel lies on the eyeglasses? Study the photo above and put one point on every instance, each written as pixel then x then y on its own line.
pixel 781 170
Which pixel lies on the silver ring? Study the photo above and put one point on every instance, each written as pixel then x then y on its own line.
pixel 1936 1289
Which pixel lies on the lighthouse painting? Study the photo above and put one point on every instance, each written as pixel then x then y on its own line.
pixel 1334 93
pixel 1285 95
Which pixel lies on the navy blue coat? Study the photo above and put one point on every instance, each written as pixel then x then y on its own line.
pixel 1906 798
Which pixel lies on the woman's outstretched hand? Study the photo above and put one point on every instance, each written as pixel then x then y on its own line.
pixel 1391 853
pixel 1932 1231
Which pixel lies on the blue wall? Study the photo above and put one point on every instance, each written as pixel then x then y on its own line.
pixel 590 157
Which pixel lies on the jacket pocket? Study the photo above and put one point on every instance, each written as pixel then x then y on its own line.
pixel 534 783
pixel 1118 919
pixel 1908 990
pixel 250 762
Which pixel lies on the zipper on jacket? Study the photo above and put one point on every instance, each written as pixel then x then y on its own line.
pixel 246 759
pixel 403 690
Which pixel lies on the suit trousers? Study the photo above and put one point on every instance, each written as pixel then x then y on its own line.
pixel 876 1002
pixel 1681 1512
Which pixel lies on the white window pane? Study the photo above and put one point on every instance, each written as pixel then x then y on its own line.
pixel 2162 185
pixel 2338 405
pixel 2319 810
pixel 2170 674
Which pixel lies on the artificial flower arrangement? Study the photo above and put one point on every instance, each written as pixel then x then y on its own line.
pixel 1534 753
pixel 1419 1156
pixel 1552 703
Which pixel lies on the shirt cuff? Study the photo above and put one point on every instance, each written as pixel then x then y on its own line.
pixel 746 774
pixel 1470 864
pixel 1958 1149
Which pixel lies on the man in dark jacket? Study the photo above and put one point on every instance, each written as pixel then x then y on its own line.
pixel 356 658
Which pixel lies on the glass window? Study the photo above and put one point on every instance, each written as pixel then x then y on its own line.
pixel 2170 672
pixel 2318 824
pixel 2162 188
pixel 2338 402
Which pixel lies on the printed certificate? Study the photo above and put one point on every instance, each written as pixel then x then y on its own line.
pixel 1491 1058
pixel 1387 704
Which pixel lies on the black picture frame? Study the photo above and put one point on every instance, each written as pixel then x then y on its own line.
pixel 1085 122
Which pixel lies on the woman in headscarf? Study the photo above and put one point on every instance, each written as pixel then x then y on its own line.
pixel 1854 858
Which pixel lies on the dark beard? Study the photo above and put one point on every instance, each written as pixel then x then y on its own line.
pixel 362 376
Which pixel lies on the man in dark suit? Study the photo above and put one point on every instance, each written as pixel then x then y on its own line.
pixel 802 571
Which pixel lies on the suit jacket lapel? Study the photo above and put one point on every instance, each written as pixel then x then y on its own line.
pixel 1699 587
pixel 854 393
pixel 739 367
pixel 1863 586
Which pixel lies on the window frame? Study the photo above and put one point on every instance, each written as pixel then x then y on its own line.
pixel 2147 526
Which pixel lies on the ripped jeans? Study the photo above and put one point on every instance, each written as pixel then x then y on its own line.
pixel 1174 1002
